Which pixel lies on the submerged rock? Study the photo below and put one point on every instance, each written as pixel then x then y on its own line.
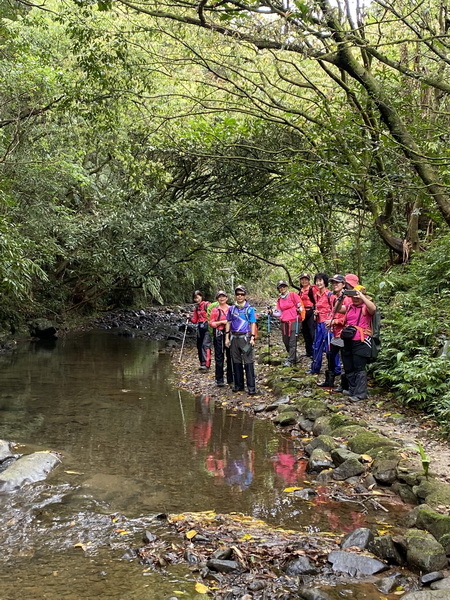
pixel 300 566
pixel 28 469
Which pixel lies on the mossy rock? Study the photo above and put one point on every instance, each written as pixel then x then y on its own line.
pixel 410 471
pixel 347 431
pixel 286 408
pixel 434 493
pixel 363 442
pixel 286 418
pixel 338 420
pixel 423 552
pixel 322 426
pixel 384 453
pixel 437 524
pixel 325 442
pixel 311 409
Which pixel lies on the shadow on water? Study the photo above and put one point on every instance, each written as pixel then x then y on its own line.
pixel 133 447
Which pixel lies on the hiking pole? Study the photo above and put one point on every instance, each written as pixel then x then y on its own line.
pixel 268 335
pixel 296 337
pixel 184 339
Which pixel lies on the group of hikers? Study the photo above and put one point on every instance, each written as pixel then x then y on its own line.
pixel 337 322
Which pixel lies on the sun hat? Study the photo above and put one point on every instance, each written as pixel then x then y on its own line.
pixel 351 279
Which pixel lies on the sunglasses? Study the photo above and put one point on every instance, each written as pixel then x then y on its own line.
pixel 240 294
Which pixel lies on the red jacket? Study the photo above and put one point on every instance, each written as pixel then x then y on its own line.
pixel 199 315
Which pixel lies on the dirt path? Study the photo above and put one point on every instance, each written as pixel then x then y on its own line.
pixel 379 411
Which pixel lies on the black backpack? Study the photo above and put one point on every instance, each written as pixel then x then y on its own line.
pixel 376 338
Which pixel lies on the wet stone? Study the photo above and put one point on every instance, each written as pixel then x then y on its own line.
pixel 340 455
pixel 149 537
pixel 222 554
pixel 319 460
pixel 349 468
pixel 428 595
pixel 386 585
pixel 300 566
pixel 355 564
pixel 385 471
pixel 259 408
pixel 429 578
pixel 361 538
pixel 286 418
pixel 313 594
pixel 384 547
pixel 442 584
pixel 305 494
pixel 305 424
pixel 222 566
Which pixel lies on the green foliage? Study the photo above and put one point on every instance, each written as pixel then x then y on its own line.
pixel 416 307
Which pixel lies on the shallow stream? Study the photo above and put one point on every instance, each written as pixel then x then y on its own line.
pixel 132 447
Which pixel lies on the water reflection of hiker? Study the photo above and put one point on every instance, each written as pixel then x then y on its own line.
pixel 291 311
pixel 218 321
pixel 200 318
pixel 240 335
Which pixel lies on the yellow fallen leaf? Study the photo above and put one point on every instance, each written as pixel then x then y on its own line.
pixel 387 414
pixel 245 537
pixel 399 593
pixel 191 534
pixel 306 439
pixel 80 545
pixel 288 490
pixel 73 473
pixel 244 436
pixel 201 588
pixel 366 458
pixel 377 493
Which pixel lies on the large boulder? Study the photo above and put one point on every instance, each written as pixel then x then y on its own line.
pixel 434 493
pixel 424 552
pixel 437 524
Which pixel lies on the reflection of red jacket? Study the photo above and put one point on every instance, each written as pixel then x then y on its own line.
pixel 201 433
pixel 199 315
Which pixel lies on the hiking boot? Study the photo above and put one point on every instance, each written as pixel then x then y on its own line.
pixel 329 380
pixel 220 384
pixel 237 389
pixel 203 368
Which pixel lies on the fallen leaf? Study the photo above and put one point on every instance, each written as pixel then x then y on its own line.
pixel 201 588
pixel 73 473
pixel 244 436
pixel 80 545
pixel 288 490
pixel 191 534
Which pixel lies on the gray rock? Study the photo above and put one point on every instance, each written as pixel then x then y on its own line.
pixel 313 594
pixel 349 468
pixel 386 585
pixel 322 426
pixel 325 476
pixel 384 547
pixel 443 584
pixel 319 460
pixel 5 450
pixel 340 455
pixel 363 442
pixel 305 424
pixel 428 595
pixel 222 566
pixel 424 552
pixel 385 470
pixel 305 494
pixel 222 554
pixel 300 566
pixel 42 328
pixel 355 564
pixel 437 524
pixel 431 577
pixel 361 538
pixel 259 408
pixel 28 469
pixel 149 537
pixel 405 492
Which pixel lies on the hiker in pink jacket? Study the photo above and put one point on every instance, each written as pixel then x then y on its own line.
pixel 291 311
